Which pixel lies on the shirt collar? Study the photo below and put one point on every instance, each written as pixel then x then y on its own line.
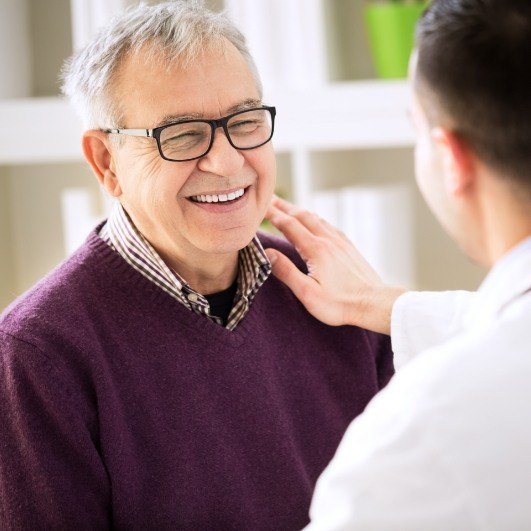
pixel 254 266
pixel 507 280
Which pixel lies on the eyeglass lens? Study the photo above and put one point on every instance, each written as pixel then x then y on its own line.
pixel 247 130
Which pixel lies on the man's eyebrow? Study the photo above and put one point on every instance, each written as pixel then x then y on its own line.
pixel 242 106
pixel 171 118
pixel 246 104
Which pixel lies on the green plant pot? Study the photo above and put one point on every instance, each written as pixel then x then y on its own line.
pixel 391 30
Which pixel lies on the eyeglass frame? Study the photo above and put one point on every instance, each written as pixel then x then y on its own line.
pixel 214 124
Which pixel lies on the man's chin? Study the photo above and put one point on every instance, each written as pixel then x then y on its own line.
pixel 230 240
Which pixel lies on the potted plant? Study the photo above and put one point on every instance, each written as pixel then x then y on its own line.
pixel 391 27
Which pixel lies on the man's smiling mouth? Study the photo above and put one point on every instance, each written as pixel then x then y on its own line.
pixel 219 198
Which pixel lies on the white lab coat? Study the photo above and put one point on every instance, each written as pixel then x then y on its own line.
pixel 447 445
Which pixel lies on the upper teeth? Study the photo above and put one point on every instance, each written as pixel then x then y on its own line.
pixel 212 198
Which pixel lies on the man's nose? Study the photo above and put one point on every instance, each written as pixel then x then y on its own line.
pixel 222 159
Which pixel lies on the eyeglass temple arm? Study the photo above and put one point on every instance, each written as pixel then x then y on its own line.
pixel 132 132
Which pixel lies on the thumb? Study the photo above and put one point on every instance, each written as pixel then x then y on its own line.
pixel 286 271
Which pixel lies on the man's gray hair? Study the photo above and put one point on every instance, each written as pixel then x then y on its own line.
pixel 177 30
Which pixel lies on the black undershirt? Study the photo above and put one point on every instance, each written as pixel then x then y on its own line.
pixel 221 302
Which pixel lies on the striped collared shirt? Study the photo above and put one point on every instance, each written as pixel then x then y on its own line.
pixel 253 268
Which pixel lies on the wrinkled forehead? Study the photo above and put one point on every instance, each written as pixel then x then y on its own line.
pixel 150 85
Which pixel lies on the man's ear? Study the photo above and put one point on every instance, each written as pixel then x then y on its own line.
pixel 97 150
pixel 457 158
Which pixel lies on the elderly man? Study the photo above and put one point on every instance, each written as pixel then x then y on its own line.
pixel 159 378
pixel 446 445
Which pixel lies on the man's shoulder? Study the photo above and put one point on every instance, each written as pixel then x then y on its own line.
pixel 281 244
pixel 55 297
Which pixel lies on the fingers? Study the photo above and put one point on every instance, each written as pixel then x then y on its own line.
pixel 299 226
pixel 285 206
pixel 293 229
pixel 286 271
pixel 312 222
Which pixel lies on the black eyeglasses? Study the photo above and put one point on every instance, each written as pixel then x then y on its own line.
pixel 192 139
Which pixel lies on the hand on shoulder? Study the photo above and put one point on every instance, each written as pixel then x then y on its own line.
pixel 341 288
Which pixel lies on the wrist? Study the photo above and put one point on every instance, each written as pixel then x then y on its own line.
pixel 372 310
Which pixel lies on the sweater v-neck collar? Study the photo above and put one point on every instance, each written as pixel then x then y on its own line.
pixel 147 292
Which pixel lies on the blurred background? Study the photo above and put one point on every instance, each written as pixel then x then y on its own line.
pixel 343 141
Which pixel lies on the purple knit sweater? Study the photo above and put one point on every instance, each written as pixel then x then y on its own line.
pixel 119 408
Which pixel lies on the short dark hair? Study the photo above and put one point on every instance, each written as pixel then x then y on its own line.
pixel 474 67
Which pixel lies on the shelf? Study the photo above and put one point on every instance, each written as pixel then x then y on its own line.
pixel 358 115
pixel 353 115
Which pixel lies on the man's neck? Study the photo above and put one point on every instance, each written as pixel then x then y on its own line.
pixel 205 274
pixel 506 221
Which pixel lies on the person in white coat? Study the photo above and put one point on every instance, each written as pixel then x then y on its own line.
pixel 447 444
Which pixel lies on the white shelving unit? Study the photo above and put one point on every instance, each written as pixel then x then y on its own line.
pixel 363 115
pixel 334 130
